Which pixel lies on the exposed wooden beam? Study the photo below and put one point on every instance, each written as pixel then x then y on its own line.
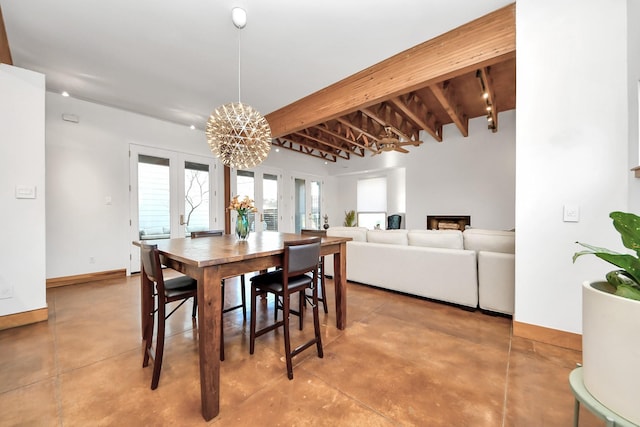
pixel 416 111
pixel 385 122
pixel 486 83
pixel 320 141
pixel 310 150
pixel 5 52
pixel 283 142
pixel 342 138
pixel 477 44
pixel 447 98
pixel 360 131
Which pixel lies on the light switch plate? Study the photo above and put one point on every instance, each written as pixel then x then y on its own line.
pixel 571 213
pixel 25 192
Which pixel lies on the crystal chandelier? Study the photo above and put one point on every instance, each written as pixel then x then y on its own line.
pixel 238 134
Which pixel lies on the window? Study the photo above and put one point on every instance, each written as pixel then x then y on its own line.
pixel 270 201
pixel 245 186
pixel 372 203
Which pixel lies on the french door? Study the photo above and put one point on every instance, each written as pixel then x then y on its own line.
pixel 307 202
pixel 263 186
pixel 171 195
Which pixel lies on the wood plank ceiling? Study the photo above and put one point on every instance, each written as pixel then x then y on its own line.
pixel 466 73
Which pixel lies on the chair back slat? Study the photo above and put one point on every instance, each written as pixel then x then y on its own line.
pixel 301 256
pixel 206 233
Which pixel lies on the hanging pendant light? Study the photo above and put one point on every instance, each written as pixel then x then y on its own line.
pixel 237 133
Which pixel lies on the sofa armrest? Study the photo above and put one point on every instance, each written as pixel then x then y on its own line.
pixel 496 281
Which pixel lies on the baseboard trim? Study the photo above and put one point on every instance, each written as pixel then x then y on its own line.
pixel 548 336
pixel 84 278
pixel 24 318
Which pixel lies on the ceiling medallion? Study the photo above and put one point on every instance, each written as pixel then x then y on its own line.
pixel 237 133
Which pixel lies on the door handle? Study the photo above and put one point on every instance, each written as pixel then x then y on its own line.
pixel 182 219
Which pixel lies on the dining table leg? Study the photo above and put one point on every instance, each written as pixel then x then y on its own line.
pixel 340 283
pixel 209 324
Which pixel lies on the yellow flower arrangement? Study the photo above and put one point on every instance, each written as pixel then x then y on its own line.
pixel 243 206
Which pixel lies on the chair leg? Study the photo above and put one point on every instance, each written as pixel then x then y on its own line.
pixel 252 328
pixel 323 297
pixel 287 340
pixel 221 336
pixel 148 338
pixel 195 307
pixel 244 297
pixel 301 301
pixel 316 323
pixel 157 361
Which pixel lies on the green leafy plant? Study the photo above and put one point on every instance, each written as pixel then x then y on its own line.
pixel 627 280
pixel 350 218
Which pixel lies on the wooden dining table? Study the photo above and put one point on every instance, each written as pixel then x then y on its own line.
pixel 211 259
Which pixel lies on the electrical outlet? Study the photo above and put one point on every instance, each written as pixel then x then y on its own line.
pixel 92 260
pixel 6 291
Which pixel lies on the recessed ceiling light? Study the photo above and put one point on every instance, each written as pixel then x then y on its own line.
pixel 192 127
pixel 65 93
pixel 277 150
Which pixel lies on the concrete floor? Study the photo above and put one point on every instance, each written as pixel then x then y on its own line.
pixel 401 361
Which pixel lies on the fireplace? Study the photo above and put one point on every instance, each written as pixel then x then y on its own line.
pixel 448 222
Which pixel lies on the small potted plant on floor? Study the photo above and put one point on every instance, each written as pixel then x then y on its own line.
pixel 611 323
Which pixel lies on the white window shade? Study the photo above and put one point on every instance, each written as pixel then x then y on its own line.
pixel 372 195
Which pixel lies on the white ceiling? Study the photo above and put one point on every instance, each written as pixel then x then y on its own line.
pixel 178 60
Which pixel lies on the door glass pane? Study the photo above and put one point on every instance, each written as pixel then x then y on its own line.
pixel 196 197
pixel 154 216
pixel 270 202
pixel 245 185
pixel 315 205
pixel 300 201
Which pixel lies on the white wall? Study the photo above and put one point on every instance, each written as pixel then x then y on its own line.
pixel 87 162
pixel 572 148
pixel 22 162
pixel 460 176
pixel 633 80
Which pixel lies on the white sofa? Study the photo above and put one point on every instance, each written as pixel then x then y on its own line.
pixel 469 269
pixel 496 267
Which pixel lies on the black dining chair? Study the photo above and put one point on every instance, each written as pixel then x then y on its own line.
pixel 164 292
pixel 243 297
pixel 321 281
pixel 300 257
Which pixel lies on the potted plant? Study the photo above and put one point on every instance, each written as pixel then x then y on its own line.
pixel 611 323
pixel 350 218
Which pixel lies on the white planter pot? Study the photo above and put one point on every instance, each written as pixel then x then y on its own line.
pixel 611 349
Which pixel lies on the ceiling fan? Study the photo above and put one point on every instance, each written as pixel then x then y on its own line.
pixel 390 142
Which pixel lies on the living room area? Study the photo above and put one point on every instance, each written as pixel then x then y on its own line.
pixel 426 361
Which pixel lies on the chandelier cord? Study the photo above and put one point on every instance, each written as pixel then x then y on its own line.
pixel 239 66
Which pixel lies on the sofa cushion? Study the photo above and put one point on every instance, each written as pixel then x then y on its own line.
pixel 358 234
pixel 478 239
pixel 390 237
pixel 448 239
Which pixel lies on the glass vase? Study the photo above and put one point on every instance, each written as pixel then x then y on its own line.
pixel 242 226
